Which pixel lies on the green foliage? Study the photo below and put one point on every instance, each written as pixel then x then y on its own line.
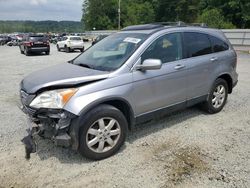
pixel 216 13
pixel 172 10
pixel 99 14
pixel 214 18
pixel 137 13
pixel 236 12
pixel 103 14
pixel 40 26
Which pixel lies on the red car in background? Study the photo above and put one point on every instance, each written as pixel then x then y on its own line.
pixel 34 44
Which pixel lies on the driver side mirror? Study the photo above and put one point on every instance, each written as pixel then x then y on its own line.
pixel 149 64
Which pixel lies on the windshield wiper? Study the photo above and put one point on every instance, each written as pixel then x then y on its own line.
pixel 85 65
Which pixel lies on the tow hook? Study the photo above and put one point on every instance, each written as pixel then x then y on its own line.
pixel 29 143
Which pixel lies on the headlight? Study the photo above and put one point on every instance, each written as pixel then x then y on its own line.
pixel 53 99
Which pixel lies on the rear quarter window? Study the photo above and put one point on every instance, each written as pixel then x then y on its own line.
pixel 197 44
pixel 218 44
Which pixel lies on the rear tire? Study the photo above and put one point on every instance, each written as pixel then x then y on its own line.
pixel 26 52
pixel 102 133
pixel 58 49
pixel 21 51
pixel 67 49
pixel 217 97
pixel 82 50
pixel 47 52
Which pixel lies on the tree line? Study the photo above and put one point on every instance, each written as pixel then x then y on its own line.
pixel 103 14
pixel 40 26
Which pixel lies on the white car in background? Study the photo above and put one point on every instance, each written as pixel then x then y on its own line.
pixel 70 43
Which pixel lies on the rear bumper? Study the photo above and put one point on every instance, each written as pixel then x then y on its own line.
pixel 39 49
pixel 235 83
pixel 235 79
pixel 76 46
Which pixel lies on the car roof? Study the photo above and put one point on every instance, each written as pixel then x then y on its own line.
pixel 173 26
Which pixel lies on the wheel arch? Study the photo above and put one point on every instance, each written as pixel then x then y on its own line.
pixel 229 81
pixel 119 103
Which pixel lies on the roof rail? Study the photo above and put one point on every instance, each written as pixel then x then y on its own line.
pixel 142 27
pixel 198 24
pixel 158 25
pixel 180 24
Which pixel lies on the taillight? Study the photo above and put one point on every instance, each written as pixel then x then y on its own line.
pixel 46 43
pixel 28 43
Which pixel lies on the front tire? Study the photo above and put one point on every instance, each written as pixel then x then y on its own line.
pixel 217 97
pixel 103 132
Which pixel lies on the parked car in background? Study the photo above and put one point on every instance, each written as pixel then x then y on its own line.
pixel 34 44
pixel 99 38
pixel 4 40
pixel 85 39
pixel 70 43
pixel 13 42
pixel 132 76
pixel 53 39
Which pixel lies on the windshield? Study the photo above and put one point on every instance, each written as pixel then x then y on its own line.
pixel 110 53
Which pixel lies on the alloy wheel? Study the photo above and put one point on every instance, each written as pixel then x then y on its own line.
pixel 219 95
pixel 103 134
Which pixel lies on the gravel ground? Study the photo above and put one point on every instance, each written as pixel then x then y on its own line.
pixel 185 149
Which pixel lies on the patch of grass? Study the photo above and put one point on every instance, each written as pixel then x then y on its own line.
pixel 186 161
pixel 179 162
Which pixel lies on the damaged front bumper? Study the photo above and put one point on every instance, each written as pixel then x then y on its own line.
pixel 53 124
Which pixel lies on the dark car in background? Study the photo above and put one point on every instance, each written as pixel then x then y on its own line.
pixel 34 44
pixel 99 38
pixel 4 40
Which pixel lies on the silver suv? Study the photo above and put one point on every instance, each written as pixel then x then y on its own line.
pixel 90 102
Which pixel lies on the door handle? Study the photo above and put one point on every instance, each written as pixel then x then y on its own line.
pixel 214 59
pixel 178 67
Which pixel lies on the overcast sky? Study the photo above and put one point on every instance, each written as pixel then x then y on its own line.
pixel 41 10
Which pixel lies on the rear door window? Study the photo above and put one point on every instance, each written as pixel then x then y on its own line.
pixel 218 45
pixel 197 44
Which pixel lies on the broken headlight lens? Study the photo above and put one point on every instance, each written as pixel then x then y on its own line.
pixel 55 99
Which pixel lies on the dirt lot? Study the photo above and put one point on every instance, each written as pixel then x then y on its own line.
pixel 186 149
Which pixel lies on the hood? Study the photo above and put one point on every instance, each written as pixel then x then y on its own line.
pixel 62 75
